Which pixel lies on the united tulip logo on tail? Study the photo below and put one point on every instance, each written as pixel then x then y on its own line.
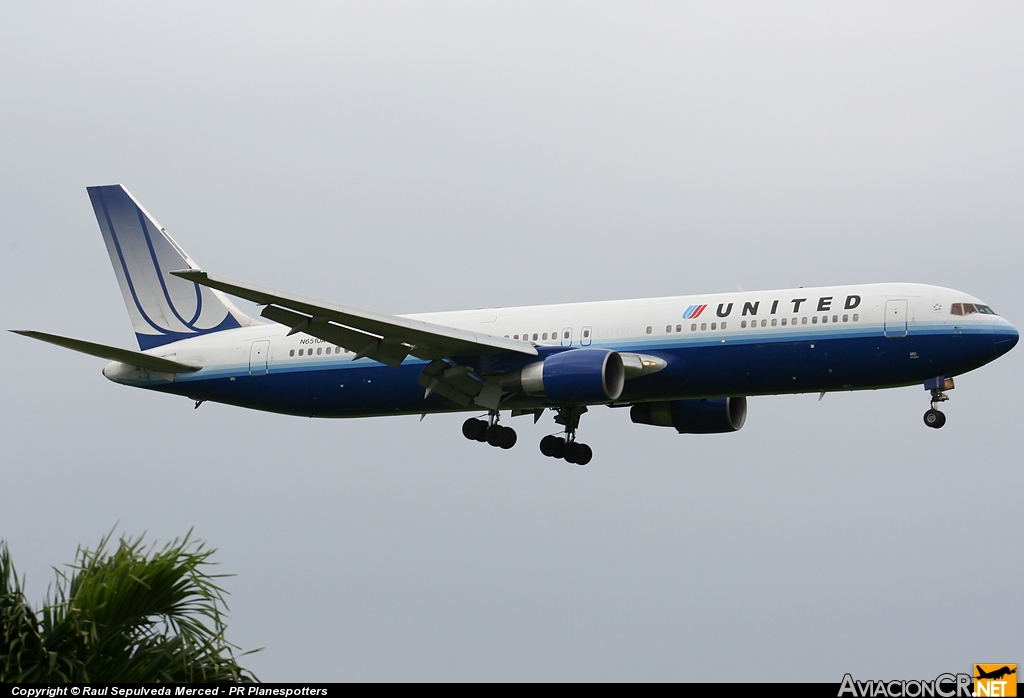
pixel 693 312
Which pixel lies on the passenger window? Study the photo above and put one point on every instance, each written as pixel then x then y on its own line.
pixel 291 353
pixel 803 321
pixel 535 336
pixel 774 322
pixel 824 319
pixel 300 352
pixel 693 327
pixel 723 325
pixel 764 323
pixel 544 336
pixel 649 329
pixel 846 318
pixel 515 336
pixel 856 317
pixel 783 322
pixel 319 350
pixel 586 332
pixel 679 328
pixel 814 320
pixel 703 326
pixel 743 324
pixel 506 336
pixel 835 318
pixel 565 335
pixel 668 328
pixel 713 325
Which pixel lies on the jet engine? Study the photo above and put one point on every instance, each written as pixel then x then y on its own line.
pixel 704 416
pixel 575 376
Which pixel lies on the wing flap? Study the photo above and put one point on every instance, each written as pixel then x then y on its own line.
pixel 102 351
pixel 395 334
pixel 360 343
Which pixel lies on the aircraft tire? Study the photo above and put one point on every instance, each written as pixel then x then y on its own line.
pixel 585 455
pixel 573 452
pixel 934 419
pixel 495 435
pixel 472 428
pixel 510 438
pixel 552 446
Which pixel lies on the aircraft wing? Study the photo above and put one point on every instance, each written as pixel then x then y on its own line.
pixel 385 338
pixel 125 356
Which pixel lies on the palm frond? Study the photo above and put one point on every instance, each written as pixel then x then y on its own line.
pixel 131 614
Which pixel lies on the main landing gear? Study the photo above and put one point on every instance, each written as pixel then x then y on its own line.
pixel 555 446
pixel 489 431
pixel 566 447
pixel 563 446
pixel 933 418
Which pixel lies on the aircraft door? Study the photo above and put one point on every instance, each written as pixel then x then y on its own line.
pixel 258 358
pixel 566 336
pixel 896 318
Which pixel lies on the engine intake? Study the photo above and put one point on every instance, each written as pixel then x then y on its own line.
pixel 706 416
pixel 574 376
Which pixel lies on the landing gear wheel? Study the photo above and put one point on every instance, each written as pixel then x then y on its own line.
pixel 552 446
pixel 501 437
pixel 474 429
pixel 934 418
pixel 573 452
pixel 510 438
pixel 585 455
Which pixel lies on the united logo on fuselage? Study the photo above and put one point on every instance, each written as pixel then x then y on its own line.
pixel 694 312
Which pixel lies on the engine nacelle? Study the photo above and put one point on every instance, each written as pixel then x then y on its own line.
pixel 575 376
pixel 709 416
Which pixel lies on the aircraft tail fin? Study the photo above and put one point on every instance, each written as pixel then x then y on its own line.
pixel 163 308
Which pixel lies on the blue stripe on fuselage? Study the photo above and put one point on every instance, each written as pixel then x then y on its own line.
pixel 700 365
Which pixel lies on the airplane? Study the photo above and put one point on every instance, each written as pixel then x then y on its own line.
pixel 995 674
pixel 685 362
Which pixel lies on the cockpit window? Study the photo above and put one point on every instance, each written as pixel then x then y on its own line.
pixel 968 308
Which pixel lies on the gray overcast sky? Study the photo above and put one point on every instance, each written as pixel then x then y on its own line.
pixel 412 157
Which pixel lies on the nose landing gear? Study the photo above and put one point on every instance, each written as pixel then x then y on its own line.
pixel 938 387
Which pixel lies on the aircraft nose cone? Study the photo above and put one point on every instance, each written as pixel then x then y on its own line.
pixel 1004 338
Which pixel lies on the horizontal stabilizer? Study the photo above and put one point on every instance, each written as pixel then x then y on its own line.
pixel 125 356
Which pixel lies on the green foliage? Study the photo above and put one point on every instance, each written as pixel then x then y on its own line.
pixel 134 614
